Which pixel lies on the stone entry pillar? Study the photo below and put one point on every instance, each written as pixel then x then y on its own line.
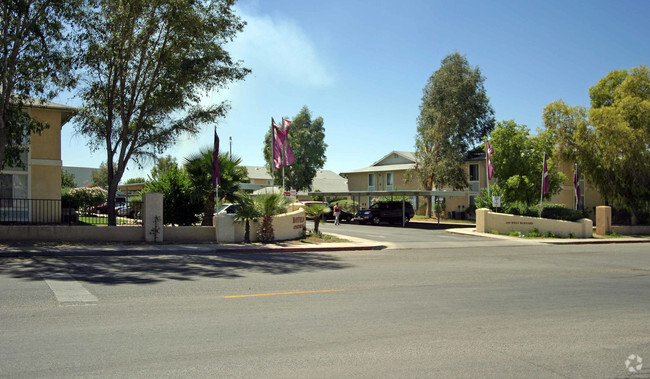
pixel 152 216
pixel 603 219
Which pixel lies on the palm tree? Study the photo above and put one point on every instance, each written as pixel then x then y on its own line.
pixel 199 168
pixel 246 212
pixel 316 211
pixel 269 204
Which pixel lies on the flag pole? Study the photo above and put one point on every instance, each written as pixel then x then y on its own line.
pixel 487 174
pixel 541 197
pixel 216 189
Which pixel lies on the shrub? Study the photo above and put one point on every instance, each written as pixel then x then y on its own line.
pixel 485 201
pixel 514 233
pixel 84 197
pixel 559 212
pixel 549 235
pixel 572 235
pixel 534 233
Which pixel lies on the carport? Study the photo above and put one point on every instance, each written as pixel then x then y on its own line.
pixel 403 193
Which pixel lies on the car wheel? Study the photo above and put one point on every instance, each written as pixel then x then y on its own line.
pixel 376 220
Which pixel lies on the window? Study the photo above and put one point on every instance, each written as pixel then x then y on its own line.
pixel 473 172
pixel 12 186
pixel 389 181
pixel 371 182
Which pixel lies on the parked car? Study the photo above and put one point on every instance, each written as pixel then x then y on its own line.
pixel 103 208
pixel 227 209
pixel 385 211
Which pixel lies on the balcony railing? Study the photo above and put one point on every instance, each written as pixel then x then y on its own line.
pixel 57 212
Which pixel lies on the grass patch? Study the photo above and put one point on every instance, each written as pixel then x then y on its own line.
pixel 94 220
pixel 312 237
pixel 445 220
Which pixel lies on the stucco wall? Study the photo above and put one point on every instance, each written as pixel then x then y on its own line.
pixel 487 222
pixel 286 226
pixel 66 233
pixel 47 145
pixel 45 182
pixel 45 152
pixel 189 233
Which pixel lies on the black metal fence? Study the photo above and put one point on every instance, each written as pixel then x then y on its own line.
pixel 57 212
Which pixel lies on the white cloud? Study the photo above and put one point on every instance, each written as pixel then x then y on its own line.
pixel 279 50
pixel 283 59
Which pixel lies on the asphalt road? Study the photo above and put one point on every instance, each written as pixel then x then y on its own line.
pixel 503 309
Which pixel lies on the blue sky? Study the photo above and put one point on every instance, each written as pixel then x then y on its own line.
pixel 362 65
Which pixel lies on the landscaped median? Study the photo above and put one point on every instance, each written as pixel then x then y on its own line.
pixel 490 222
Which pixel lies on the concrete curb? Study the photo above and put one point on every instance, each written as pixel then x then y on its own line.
pixel 550 241
pixel 150 250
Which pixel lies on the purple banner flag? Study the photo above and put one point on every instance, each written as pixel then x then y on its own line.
pixel 216 172
pixel 490 151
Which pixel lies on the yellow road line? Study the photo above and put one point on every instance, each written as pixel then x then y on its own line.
pixel 281 293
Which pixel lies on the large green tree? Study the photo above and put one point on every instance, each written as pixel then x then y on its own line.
pixel 610 142
pixel 455 114
pixel 307 140
pixel 232 174
pixel 518 160
pixel 148 65
pixel 162 164
pixel 36 61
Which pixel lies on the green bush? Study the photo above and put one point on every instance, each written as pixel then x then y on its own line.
pixel 485 201
pixel 549 235
pixel 83 198
pixel 559 212
pixel 181 205
pixel 534 233
pixel 514 233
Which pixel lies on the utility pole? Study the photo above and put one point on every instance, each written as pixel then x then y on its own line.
pixel 230 147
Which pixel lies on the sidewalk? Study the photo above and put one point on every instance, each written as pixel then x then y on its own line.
pixel 551 241
pixel 67 249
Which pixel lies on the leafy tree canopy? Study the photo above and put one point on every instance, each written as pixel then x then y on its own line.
pixel 67 179
pixel 518 160
pixel 610 141
pixel 148 64
pixel 455 114
pixel 135 180
pixel 162 164
pixel 35 62
pixel 307 140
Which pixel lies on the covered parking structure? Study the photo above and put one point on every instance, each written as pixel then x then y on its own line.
pixel 403 193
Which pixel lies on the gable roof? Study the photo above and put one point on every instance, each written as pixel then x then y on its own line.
pixel 393 161
pixel 258 172
pixel 325 180
pixel 396 157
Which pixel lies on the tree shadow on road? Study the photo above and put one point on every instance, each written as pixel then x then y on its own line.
pixel 114 270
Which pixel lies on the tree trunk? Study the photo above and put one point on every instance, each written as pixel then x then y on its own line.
pixel 110 203
pixel 208 211
pixel 316 223
pixel 247 232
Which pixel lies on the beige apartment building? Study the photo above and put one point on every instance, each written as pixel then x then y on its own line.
pixel 41 177
pixel 389 174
